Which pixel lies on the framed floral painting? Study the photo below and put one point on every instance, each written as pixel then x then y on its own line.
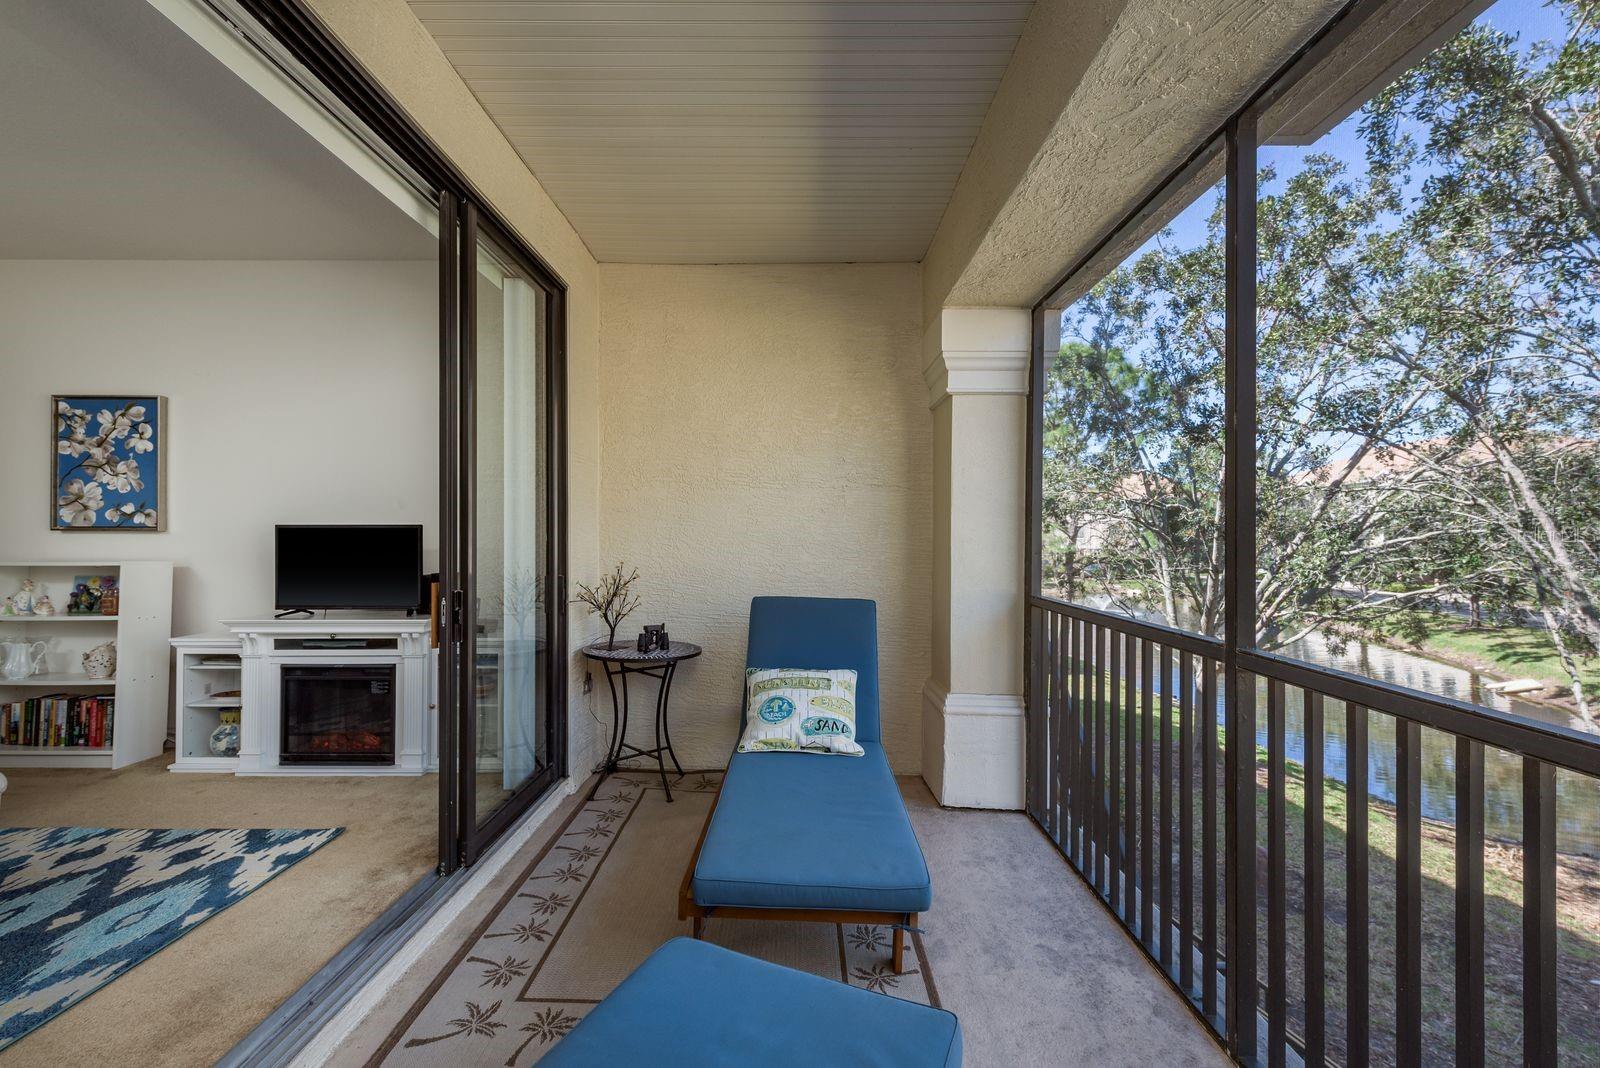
pixel 108 463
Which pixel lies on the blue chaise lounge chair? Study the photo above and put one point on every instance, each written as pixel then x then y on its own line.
pixel 692 1005
pixel 803 836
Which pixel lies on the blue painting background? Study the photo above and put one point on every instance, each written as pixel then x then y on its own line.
pixel 120 476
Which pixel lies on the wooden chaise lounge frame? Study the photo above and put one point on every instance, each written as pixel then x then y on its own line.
pixel 689 909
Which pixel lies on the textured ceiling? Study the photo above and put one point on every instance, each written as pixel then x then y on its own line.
pixel 718 132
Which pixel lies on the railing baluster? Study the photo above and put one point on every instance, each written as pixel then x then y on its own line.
pixel 1114 770
pixel 1069 725
pixel 1239 796
pixel 1165 837
pixel 1147 794
pixel 1408 892
pixel 1538 912
pixel 1091 720
pixel 1080 705
pixel 1102 816
pixel 1057 734
pixel 1277 880
pixel 1469 904
pixel 1186 822
pixel 1208 837
pixel 1036 749
pixel 1046 749
pixel 1358 951
pixel 1316 1028
pixel 1130 805
pixel 1080 781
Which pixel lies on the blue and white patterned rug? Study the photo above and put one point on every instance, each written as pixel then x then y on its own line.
pixel 79 905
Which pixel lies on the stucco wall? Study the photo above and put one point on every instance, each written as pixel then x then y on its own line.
pixel 1101 100
pixel 392 45
pixel 765 431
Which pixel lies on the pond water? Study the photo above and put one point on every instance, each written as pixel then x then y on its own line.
pixel 1577 796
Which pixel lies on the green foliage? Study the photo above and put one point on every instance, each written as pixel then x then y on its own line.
pixel 1428 364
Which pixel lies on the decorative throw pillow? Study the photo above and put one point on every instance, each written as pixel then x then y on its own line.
pixel 804 710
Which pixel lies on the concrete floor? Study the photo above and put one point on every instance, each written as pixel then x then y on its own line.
pixel 1018 948
pixel 189 1003
pixel 1029 960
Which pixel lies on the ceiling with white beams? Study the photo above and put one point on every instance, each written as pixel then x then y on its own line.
pixel 672 131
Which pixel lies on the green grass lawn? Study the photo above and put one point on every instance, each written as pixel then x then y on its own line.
pixel 1506 651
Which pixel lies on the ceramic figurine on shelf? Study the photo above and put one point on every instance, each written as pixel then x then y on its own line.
pixel 24 598
pixel 224 741
pixel 101 661
pixel 43 607
pixel 8 607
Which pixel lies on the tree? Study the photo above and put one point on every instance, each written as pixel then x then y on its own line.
pixel 1429 375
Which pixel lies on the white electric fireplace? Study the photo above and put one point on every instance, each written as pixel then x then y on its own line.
pixel 337 696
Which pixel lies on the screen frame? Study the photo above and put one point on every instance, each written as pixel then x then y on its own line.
pixel 277 587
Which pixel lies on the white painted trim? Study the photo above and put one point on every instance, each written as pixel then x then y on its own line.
pixel 979 741
pixel 973 704
pixel 211 33
pixel 953 373
pixel 321 1047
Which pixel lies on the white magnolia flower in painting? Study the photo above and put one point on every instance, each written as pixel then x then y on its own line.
pixel 145 517
pixel 141 441
pixel 114 426
pixel 79 503
pixel 123 476
pixel 135 413
pixel 117 513
pixel 68 416
pixel 73 445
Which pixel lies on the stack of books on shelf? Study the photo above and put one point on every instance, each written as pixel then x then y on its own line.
pixel 58 721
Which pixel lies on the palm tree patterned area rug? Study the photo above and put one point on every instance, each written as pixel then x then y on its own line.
pixel 80 905
pixel 589 908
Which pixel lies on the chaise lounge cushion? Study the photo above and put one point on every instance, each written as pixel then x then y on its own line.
pixel 808 832
pixel 693 1004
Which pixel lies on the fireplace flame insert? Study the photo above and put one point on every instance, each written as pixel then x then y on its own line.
pixel 339 714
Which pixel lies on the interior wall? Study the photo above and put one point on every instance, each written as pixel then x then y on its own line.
pixel 298 392
pixel 386 38
pixel 765 431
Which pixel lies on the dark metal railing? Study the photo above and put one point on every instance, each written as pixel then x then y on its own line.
pixel 1125 748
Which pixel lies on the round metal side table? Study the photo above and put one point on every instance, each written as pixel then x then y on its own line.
pixel 659 664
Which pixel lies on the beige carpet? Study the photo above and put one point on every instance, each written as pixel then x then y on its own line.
pixel 189 1003
pixel 585 912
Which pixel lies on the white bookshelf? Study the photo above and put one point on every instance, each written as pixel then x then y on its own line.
pixel 141 630
pixel 207 665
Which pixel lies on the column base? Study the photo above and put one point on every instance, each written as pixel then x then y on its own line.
pixel 973 748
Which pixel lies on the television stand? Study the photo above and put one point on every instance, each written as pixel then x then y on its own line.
pixel 263 658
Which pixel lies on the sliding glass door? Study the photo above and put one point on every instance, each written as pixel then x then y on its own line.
pixel 506 665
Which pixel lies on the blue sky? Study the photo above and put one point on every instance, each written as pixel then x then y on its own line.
pixel 1529 20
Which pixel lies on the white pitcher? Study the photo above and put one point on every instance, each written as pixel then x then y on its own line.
pixel 21 659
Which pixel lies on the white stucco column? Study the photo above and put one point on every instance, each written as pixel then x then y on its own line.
pixel 972 729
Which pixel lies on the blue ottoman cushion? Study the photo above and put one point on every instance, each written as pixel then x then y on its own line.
pixel 693 1004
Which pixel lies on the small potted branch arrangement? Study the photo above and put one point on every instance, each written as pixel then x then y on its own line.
pixel 612 599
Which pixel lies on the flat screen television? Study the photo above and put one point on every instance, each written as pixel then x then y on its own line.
pixel 319 567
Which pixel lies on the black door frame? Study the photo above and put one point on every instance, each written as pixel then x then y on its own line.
pixel 294 29
pixel 461 501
